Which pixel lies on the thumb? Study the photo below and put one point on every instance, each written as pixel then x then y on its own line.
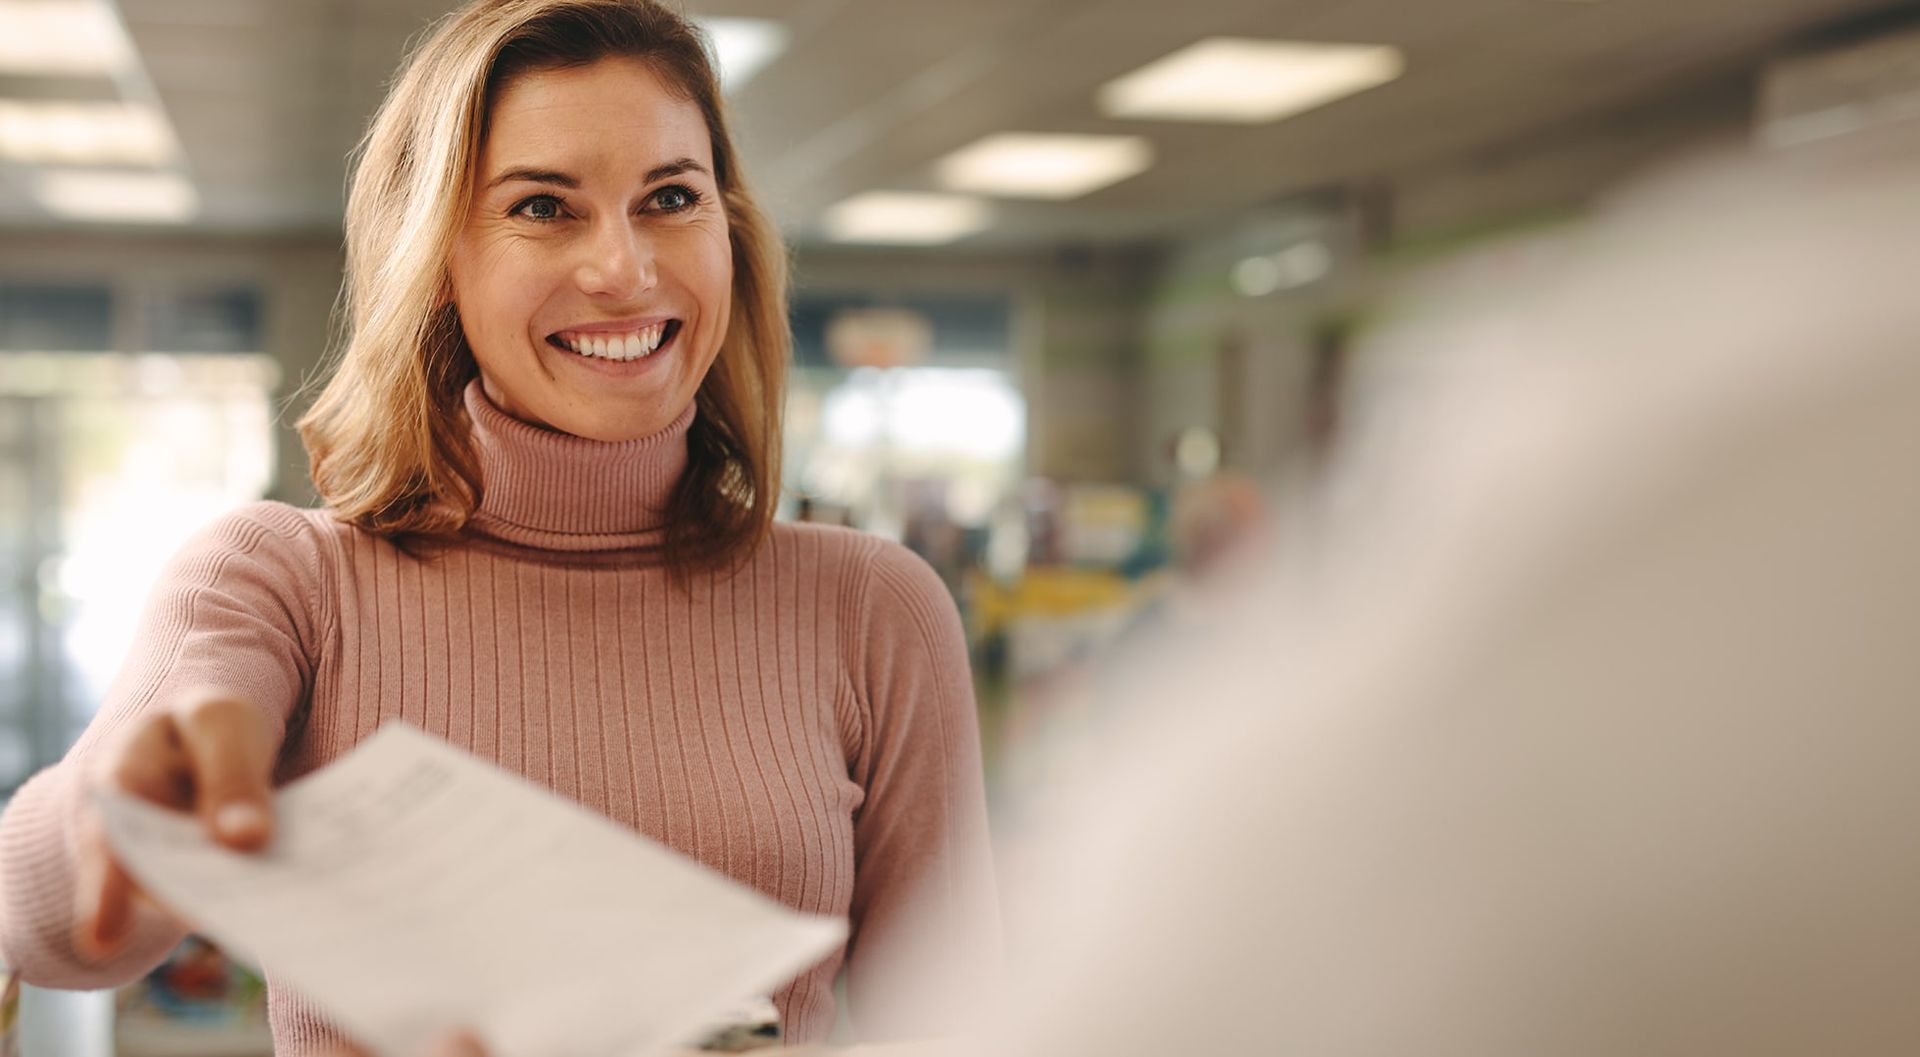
pixel 230 750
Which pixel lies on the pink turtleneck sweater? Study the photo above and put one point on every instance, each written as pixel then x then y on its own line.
pixel 805 725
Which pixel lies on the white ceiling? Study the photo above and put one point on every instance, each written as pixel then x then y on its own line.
pixel 268 96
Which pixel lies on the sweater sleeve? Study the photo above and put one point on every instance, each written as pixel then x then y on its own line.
pixel 236 608
pixel 925 948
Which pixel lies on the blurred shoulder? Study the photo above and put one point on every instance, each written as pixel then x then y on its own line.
pixel 272 519
pixel 275 533
pixel 862 557
pixel 876 586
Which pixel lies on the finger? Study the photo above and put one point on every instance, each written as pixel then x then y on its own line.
pixel 114 913
pixel 146 761
pixel 457 1044
pixel 108 902
pixel 229 747
pixel 98 905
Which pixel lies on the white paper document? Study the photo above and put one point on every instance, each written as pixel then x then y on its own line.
pixel 411 887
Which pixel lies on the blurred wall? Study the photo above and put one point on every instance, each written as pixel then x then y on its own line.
pixel 1561 167
pixel 1224 352
pixel 1216 354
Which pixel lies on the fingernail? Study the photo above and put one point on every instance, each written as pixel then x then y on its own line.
pixel 240 819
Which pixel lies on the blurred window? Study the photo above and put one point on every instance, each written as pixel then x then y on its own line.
pixel 56 318
pixel 955 437
pixel 967 329
pixel 905 418
pixel 217 320
pixel 109 460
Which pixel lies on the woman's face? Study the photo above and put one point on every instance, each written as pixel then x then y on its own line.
pixel 593 273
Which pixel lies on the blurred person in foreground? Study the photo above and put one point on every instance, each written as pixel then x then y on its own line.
pixel 1595 727
pixel 1221 529
pixel 549 454
pixel 1594 730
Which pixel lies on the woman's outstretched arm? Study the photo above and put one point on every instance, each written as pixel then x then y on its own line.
pixel 224 654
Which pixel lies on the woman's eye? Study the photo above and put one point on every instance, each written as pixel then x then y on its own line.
pixel 676 198
pixel 539 207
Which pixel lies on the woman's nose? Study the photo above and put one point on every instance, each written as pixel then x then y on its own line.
pixel 618 262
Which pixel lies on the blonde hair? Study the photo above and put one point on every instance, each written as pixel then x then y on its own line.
pixel 387 439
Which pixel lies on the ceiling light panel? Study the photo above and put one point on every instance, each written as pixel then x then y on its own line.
pixel 62 37
pixel 743 46
pixel 1232 79
pixel 905 218
pixel 117 197
pixel 84 134
pixel 1037 165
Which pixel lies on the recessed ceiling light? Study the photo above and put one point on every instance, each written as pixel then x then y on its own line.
pixel 127 197
pixel 63 37
pixel 742 46
pixel 1036 165
pixel 84 133
pixel 1231 79
pixel 905 218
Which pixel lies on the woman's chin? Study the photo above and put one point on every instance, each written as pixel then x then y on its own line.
pixel 616 424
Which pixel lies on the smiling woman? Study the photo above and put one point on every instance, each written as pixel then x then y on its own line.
pixel 589 145
pixel 549 451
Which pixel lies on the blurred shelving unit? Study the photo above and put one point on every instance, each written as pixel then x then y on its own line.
pixel 149 1035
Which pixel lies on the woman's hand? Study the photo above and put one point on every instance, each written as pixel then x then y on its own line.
pixel 209 753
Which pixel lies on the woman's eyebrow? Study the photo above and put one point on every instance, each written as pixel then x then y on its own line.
pixel 675 168
pixel 539 176
pixel 572 183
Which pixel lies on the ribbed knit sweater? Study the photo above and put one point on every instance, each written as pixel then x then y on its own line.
pixel 804 725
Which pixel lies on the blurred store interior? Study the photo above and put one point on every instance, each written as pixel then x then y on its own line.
pixel 1083 289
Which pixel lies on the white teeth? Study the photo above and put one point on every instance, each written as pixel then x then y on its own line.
pixel 631 345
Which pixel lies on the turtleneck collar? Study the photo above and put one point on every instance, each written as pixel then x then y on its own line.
pixel 552 491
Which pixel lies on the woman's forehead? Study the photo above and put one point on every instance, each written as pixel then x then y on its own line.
pixel 612 112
